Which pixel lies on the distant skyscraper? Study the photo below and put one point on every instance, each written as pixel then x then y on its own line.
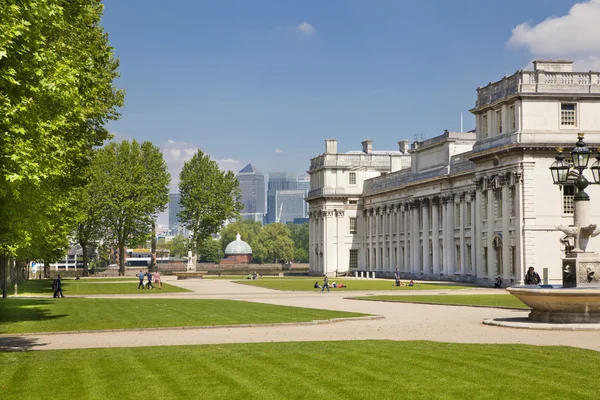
pixel 291 205
pixel 252 186
pixel 304 184
pixel 174 209
pixel 278 181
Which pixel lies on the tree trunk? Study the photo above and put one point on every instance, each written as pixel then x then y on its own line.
pixel 84 248
pixel 3 259
pixel 153 248
pixel 46 270
pixel 121 259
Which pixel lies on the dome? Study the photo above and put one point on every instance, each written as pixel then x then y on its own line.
pixel 238 247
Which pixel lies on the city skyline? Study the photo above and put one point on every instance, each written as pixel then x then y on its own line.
pixel 265 82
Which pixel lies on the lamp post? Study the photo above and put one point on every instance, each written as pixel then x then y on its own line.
pixel 581 211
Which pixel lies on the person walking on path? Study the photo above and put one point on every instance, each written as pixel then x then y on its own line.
pixel 325 284
pixel 397 277
pixel 157 281
pixel 149 284
pixel 532 277
pixel 58 287
pixel 141 278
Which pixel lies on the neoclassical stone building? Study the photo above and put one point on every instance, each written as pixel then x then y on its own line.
pixel 461 206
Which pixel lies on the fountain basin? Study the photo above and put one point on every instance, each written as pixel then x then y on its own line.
pixel 550 303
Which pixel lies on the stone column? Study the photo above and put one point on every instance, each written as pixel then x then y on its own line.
pixel 518 228
pixel 398 242
pixel 406 260
pixel 377 217
pixel 451 259
pixel 384 229
pixel 505 233
pixel 435 235
pixel 425 255
pixel 477 242
pixel 474 238
pixel 416 242
pixel 491 261
pixel 463 220
pixel 372 239
pixel 445 234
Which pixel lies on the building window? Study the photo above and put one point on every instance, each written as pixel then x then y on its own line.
pixel 352 178
pixel 499 121
pixel 513 118
pixel 498 201
pixel 352 201
pixel 568 196
pixel 430 214
pixel 352 224
pixel 484 206
pixel 368 258
pixel 353 259
pixel 513 260
pixel 484 126
pixel 485 261
pixel 469 259
pixel 441 255
pixel 513 201
pixel 469 206
pixel 568 114
pixel 458 266
pixel 457 215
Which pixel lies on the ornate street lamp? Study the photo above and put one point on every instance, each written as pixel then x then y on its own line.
pixel 560 168
pixel 596 169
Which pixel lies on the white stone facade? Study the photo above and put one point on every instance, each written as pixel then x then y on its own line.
pixel 461 206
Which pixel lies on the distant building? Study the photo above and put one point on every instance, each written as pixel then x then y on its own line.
pixel 237 252
pixel 278 181
pixel 252 186
pixel 290 205
pixel 304 184
pixel 175 227
pixel 462 206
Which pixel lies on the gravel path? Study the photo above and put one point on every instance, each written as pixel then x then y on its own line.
pixel 402 321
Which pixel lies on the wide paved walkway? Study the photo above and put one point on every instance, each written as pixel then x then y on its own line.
pixel 402 321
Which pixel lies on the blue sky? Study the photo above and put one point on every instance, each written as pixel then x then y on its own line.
pixel 266 81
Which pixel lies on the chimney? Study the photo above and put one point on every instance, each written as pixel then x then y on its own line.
pixel 551 65
pixel 330 146
pixel 367 146
pixel 403 146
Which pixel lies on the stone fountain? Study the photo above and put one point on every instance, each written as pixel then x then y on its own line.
pixel 578 299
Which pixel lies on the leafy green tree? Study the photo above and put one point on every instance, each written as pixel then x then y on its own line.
pixel 211 251
pixel 56 94
pixel 247 229
pixel 274 244
pixel 301 242
pixel 178 246
pixel 132 183
pixel 209 197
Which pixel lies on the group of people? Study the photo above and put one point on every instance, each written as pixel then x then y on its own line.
pixel 326 285
pixel 149 278
pixel 254 276
pixel 397 281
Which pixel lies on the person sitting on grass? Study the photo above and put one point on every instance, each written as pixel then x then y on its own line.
pixel 341 285
pixel 411 283
pixel 334 285
pixel 316 285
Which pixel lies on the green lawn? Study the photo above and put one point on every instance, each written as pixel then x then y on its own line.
pixel 307 284
pixel 50 315
pixel 494 300
pixel 85 287
pixel 307 370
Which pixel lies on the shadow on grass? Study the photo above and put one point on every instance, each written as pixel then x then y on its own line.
pixel 20 310
pixel 40 286
pixel 17 343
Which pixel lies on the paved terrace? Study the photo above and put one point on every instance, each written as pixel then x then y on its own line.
pixel 402 321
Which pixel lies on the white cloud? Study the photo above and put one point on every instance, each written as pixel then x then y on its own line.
pixel 306 29
pixel 574 35
pixel 278 151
